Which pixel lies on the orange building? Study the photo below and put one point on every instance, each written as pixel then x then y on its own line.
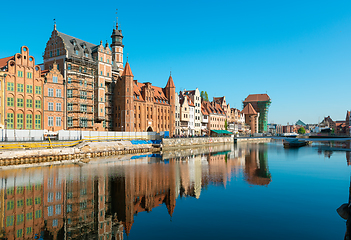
pixel 141 107
pixel 23 91
pixel 54 99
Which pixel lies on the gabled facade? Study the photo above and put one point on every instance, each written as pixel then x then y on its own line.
pixel 54 99
pixel 194 95
pixel 23 91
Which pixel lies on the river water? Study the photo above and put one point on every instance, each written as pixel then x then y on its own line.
pixel 244 191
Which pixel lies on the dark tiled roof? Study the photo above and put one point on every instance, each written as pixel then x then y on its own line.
pixel 3 61
pixel 257 98
pixel 70 47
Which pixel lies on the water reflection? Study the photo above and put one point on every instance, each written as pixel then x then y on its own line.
pixel 100 201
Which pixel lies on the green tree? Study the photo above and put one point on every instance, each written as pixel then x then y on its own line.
pixel 204 95
pixel 226 125
pixel 301 130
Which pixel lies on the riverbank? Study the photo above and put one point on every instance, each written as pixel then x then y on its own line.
pixel 82 152
pixel 85 151
pixel 179 143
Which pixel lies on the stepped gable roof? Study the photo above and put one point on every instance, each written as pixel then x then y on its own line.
pixel 72 44
pixel 190 102
pixel 170 82
pixel 3 61
pixel 249 110
pixel 127 71
pixel 257 98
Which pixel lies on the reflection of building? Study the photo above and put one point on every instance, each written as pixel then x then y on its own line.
pixel 100 201
pixel 142 188
pixel 256 168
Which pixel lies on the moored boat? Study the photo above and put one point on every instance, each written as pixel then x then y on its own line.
pixel 294 143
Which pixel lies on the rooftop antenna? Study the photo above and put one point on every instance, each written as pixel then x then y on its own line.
pixel 54 23
pixel 127 56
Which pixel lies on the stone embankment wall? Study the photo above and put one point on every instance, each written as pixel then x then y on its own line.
pixel 173 143
pixel 82 152
pixel 176 143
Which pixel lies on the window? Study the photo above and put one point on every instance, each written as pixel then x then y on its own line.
pixel 58 107
pixel 58 121
pixel 70 121
pixel 9 221
pixel 19 120
pixel 38 214
pixel 85 70
pixel 29 121
pixel 58 92
pixel 20 203
pixel 69 208
pixel 58 195
pixel 10 205
pixel 29 201
pixel 69 93
pixel 37 200
pixel 29 216
pixel 19 102
pixel 86 54
pixel 19 73
pixel 50 92
pixel 50 53
pixel 69 195
pixel 83 122
pixel 29 89
pixel 55 223
pixel 69 66
pixel 10 121
pixel 80 69
pixel 29 75
pixel 50 123
pixel 38 104
pixel 50 211
pixel 51 106
pixel 10 86
pixel 58 209
pixel 37 121
pixel 77 52
pixel 100 72
pixel 58 52
pixel 69 106
pixel 83 107
pixel 28 230
pixel 19 232
pixel 29 103
pixel 19 87
pixel 54 79
pixel 37 90
pixel 83 95
pixel 69 80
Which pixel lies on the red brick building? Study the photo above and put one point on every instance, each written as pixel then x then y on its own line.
pixel 141 107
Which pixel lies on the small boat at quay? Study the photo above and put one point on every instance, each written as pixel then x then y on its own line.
pixel 295 143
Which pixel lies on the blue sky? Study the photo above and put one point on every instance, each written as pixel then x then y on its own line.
pixel 298 52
